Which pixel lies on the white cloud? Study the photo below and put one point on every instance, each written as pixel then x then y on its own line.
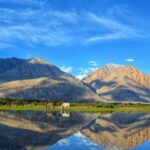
pixel 78 134
pixel 130 60
pixel 64 142
pixel 81 76
pixel 66 69
pixel 92 63
pixel 87 70
pixel 83 72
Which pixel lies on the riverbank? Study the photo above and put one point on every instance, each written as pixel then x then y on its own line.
pixel 77 108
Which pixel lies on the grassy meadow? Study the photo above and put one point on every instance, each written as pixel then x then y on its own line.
pixel 37 105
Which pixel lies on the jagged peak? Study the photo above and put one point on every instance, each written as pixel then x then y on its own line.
pixel 113 65
pixel 110 68
pixel 37 60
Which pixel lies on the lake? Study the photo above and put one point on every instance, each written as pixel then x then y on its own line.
pixel 29 130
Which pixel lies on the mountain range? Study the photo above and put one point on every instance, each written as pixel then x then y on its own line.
pixel 37 79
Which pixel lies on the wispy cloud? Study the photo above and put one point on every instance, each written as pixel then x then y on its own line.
pixel 66 69
pixel 5 45
pixel 107 22
pixel 24 2
pixel 129 60
pixel 92 63
pixel 54 27
pixel 49 29
pixel 50 33
pixel 113 29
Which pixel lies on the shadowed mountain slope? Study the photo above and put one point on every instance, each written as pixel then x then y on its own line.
pixel 37 79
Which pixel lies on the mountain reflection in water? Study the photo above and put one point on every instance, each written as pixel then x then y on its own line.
pixel 28 130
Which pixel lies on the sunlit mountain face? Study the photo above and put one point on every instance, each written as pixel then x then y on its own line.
pixel 120 83
pixel 55 131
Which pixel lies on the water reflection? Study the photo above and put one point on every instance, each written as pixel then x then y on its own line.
pixel 35 130
pixel 121 131
pixel 76 141
pixel 28 130
pixel 65 114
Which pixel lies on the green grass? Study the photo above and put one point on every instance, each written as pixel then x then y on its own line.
pixel 37 105
pixel 78 108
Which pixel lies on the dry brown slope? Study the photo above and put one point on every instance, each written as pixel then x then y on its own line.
pixel 120 83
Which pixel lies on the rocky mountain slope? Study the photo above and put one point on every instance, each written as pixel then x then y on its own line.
pixel 37 79
pixel 120 83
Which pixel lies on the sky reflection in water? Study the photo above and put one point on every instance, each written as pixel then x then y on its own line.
pixel 143 146
pixel 76 141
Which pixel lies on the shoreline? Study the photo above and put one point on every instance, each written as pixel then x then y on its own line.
pixel 76 108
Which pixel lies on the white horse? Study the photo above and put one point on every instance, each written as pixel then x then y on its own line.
pixel 65 106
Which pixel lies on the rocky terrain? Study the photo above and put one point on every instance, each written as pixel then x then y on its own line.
pixel 120 83
pixel 37 79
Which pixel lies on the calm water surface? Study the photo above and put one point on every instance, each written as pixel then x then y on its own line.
pixel 29 130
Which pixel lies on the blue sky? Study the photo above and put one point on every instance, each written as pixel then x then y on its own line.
pixel 77 35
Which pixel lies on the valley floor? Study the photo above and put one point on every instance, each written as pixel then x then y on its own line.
pixel 37 105
pixel 77 108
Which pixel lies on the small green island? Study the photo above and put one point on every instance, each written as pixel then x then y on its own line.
pixel 41 105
